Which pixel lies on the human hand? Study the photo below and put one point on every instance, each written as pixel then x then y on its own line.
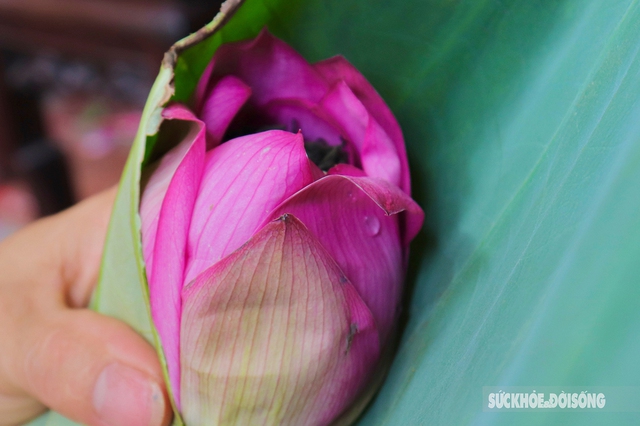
pixel 56 353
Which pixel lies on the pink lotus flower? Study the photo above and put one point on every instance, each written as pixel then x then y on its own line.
pixel 275 259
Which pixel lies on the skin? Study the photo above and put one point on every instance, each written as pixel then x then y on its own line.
pixel 56 353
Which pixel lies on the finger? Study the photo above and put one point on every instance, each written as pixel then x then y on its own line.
pixel 81 252
pixel 91 368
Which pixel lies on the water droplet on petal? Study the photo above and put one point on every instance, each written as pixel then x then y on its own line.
pixel 371 225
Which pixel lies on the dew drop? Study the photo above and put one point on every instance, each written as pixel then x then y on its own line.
pixel 371 225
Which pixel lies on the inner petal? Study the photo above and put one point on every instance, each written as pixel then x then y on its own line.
pixel 243 181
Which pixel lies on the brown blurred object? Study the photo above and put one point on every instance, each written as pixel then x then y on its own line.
pixel 94 134
pixel 74 75
pixel 135 30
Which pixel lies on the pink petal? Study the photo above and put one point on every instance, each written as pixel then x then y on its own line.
pixel 269 66
pixel 346 170
pixel 165 210
pixel 243 181
pixel 274 334
pixel 221 106
pixel 158 182
pixel 378 154
pixel 338 69
pixel 356 219
pixel 297 114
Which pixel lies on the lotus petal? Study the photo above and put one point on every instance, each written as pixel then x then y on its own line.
pixel 176 183
pixel 244 180
pixel 273 70
pixel 274 334
pixel 338 69
pixel 357 220
pixel 221 106
pixel 378 153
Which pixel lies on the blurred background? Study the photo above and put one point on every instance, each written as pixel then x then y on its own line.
pixel 74 76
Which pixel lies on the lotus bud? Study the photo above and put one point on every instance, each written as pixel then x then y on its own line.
pixel 275 235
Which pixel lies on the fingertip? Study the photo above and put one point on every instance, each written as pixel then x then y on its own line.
pixel 123 395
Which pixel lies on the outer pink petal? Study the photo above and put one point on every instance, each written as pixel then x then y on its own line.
pixel 269 66
pixel 221 106
pixel 338 69
pixel 244 180
pixel 165 227
pixel 274 334
pixel 356 219
pixel 153 196
pixel 159 179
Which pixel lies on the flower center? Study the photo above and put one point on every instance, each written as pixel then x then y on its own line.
pixel 325 156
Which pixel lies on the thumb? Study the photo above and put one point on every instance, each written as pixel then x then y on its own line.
pixel 93 369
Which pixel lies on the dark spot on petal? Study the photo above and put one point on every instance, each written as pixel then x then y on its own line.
pixel 283 218
pixel 353 330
